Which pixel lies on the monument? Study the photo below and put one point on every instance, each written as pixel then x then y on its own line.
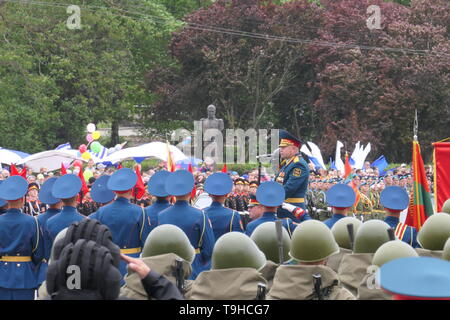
pixel 211 127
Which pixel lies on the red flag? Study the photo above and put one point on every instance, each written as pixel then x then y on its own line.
pixel 170 162
pixel 119 166
pixel 23 173
pixel 84 188
pixel 348 168
pixel 63 169
pixel 194 190
pixel 224 168
pixel 13 170
pixel 420 207
pixel 139 188
pixel 358 195
pixel 441 161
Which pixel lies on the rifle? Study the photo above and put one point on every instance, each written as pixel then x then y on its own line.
pixel 317 280
pixel 351 235
pixel 279 230
pixel 261 291
pixel 179 275
pixel 391 234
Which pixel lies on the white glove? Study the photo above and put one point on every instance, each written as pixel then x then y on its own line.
pixel 288 207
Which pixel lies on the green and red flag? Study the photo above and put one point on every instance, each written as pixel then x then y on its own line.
pixel 348 168
pixel 420 206
pixel 441 159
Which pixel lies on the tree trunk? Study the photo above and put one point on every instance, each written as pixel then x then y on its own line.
pixel 115 133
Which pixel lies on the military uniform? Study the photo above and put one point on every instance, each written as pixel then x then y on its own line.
pixel 21 249
pixel 363 208
pixel 339 196
pixel 157 189
pixel 321 206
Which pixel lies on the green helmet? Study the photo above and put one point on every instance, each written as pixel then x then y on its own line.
pixel 236 250
pixel 312 241
pixel 168 238
pixel 370 236
pixel 61 235
pixel 435 231
pixel 265 237
pixel 340 231
pixel 446 206
pixel 446 253
pixel 392 250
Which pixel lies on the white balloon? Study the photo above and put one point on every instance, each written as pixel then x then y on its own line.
pixel 91 127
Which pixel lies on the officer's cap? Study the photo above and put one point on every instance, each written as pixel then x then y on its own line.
pixel 156 184
pixel 395 198
pixel 179 183
pixel 270 194
pixel 66 186
pixel 45 194
pixel 122 180
pixel 253 202
pixel 287 139
pixel 13 188
pixel 218 184
pixel 422 277
pixel 340 196
pixel 254 184
pixel 100 192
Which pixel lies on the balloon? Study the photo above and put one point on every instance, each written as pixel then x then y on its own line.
pixel 91 127
pixel 96 135
pixel 89 138
pixel 77 163
pixel 82 148
pixel 96 147
pixel 86 156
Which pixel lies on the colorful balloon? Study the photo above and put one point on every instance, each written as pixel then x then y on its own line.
pixel 96 135
pixel 86 156
pixel 77 163
pixel 91 127
pixel 96 147
pixel 82 148
pixel 89 138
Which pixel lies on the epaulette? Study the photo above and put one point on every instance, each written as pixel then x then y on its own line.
pixel 296 159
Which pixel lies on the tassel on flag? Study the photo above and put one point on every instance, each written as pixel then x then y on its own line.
pixel 139 188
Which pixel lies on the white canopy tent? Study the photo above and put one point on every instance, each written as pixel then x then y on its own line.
pixel 8 157
pixel 51 159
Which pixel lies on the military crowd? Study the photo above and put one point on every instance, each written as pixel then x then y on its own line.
pixel 282 248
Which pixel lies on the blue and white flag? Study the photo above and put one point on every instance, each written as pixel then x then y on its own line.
pixel 65 146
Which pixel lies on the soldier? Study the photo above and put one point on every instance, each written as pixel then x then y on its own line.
pixel 340 197
pixel 223 220
pixel 389 251
pixel 33 206
pixel 253 186
pixel 65 188
pixel 3 204
pixel 156 187
pixel 433 235
pixel 310 195
pixel 312 244
pixel 193 222
pixel 321 203
pixel 235 263
pixel 239 195
pixel 293 175
pixel 127 222
pixel 255 209
pixel 394 200
pixel 271 195
pixel 21 250
pixel 164 246
pixel 100 192
pixel 55 205
pixel 363 208
pixel 416 278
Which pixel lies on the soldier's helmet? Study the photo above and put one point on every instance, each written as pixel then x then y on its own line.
pixel 435 232
pixel 446 206
pixel 370 236
pixel 446 253
pixel 312 241
pixel 265 237
pixel 236 250
pixel 58 239
pixel 340 231
pixel 392 250
pixel 168 238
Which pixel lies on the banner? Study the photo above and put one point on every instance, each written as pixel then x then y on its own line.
pixel 441 160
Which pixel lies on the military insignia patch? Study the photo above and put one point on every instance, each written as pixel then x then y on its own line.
pixel 297 172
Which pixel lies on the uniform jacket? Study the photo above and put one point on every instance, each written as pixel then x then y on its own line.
pixel 64 219
pixel 20 235
pixel 197 227
pixel 335 260
pixel 223 220
pixel 409 233
pixel 153 211
pixel 267 217
pixel 335 218
pixel 353 269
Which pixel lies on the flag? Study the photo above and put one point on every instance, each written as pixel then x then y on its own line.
pixel 420 207
pixel 13 170
pixel 355 188
pixel 139 188
pixel 381 164
pixel 170 162
pixel 194 189
pixel 224 168
pixel 332 165
pixel 23 173
pixel 65 146
pixel 441 161
pixel 119 166
pixel 84 188
pixel 63 169
pixel 348 168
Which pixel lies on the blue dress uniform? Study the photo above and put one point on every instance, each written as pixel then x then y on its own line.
pixel 397 199
pixel 127 222
pixel 294 176
pixel 270 194
pixel 222 219
pixel 339 196
pixel 65 187
pixel 156 187
pixel 193 222
pixel 21 248
pixel 46 197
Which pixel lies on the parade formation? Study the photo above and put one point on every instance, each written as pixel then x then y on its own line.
pixel 298 235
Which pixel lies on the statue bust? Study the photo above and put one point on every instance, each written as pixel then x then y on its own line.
pixel 212 122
